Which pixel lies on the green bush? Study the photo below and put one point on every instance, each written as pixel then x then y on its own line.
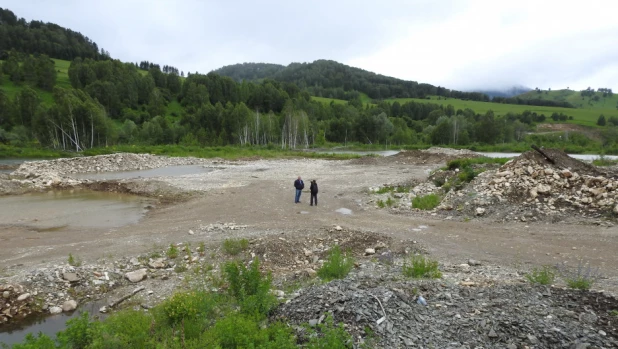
pixel 235 246
pixel 241 331
pixel 125 329
pixel 80 332
pixel 250 288
pixel 172 251
pixel 542 276
pixel 41 341
pixel 188 305
pixel 337 265
pixel 420 267
pixel 427 202
pixel 330 336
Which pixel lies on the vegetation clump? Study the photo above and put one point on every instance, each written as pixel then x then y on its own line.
pixel 427 202
pixel 418 266
pixel 337 265
pixel 542 276
pixel 235 246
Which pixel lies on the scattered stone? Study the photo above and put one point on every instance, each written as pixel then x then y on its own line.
pixel 136 276
pixel 480 211
pixel 55 310
pixel 70 277
pixel 338 228
pixel 23 297
pixel 473 263
pixel 157 263
pixel 369 251
pixel 69 305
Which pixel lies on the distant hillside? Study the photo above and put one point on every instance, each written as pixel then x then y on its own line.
pixel 37 37
pixel 250 71
pixel 508 92
pixel 586 99
pixel 330 79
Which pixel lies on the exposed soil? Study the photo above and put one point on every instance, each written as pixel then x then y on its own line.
pixel 259 194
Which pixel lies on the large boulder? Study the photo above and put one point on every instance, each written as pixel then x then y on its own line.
pixel 136 275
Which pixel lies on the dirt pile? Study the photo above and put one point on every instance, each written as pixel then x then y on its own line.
pixel 384 311
pixel 531 187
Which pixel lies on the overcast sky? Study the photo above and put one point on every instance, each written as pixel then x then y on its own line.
pixel 458 44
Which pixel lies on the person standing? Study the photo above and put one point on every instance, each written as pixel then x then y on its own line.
pixel 299 185
pixel 314 192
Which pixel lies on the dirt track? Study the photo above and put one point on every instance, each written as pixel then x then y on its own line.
pixel 260 194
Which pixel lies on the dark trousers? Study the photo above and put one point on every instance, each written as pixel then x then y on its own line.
pixel 314 197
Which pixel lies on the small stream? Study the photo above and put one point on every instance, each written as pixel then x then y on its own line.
pixel 49 325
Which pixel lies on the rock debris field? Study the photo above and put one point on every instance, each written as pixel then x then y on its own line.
pixel 483 299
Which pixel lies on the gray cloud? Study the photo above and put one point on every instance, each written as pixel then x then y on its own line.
pixel 458 44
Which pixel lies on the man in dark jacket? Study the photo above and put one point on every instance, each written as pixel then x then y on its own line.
pixel 299 185
pixel 314 192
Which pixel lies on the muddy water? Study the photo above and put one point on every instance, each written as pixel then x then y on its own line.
pixel 169 171
pixel 57 210
pixel 49 325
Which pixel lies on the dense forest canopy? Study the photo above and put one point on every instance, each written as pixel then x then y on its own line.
pixel 102 101
pixel 325 78
pixel 37 37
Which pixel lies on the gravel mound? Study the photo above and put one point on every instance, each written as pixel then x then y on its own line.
pixel 385 312
pixel 102 163
pixel 530 187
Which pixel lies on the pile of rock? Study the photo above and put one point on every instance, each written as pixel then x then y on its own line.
pixel 385 312
pixel 15 302
pixel 102 163
pixel 538 188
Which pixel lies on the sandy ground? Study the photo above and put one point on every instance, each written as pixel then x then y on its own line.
pixel 260 194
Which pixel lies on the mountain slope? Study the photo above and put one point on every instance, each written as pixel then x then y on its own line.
pixel 330 79
pixel 37 37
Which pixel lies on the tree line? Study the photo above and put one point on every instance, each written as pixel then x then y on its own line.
pixel 36 37
pixel 111 102
pixel 37 70
pixel 325 78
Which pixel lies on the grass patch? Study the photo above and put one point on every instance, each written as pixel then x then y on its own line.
pixel 381 203
pixel 235 246
pixel 467 162
pixel 74 261
pixel 427 202
pixel 389 202
pixel 393 189
pixel 421 267
pixel 338 264
pixel 542 276
pixel 172 251
pixel 613 313
pixel 603 161
pixel 580 278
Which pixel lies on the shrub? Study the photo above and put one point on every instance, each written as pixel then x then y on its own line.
pixel 201 248
pixel 172 251
pixel 240 331
pixel 427 202
pixel 250 288
pixel 337 265
pixel 41 341
pixel 235 246
pixel 80 332
pixel 542 276
pixel 613 313
pixel 381 204
pixel 330 336
pixel 188 306
pixel 580 278
pixel 384 190
pixel 420 267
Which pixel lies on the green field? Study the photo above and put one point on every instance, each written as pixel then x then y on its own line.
pixel 62 80
pixel 586 117
pixel 575 98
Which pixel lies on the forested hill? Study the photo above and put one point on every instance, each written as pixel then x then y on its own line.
pixel 37 37
pixel 325 78
pixel 250 71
